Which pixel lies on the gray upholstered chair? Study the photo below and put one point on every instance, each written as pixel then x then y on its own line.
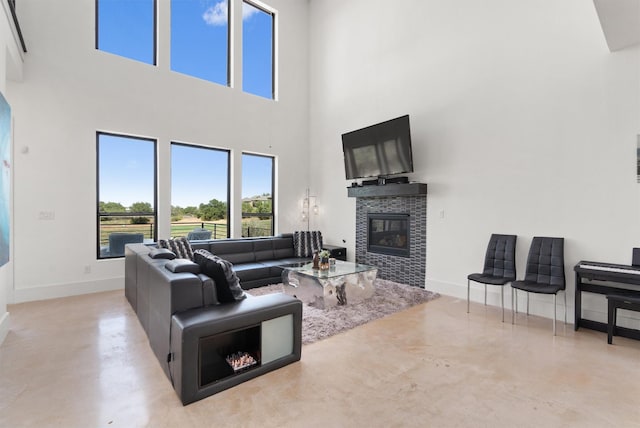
pixel 199 234
pixel 117 241
pixel 499 266
pixel 544 274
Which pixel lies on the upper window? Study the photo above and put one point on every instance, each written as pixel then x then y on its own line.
pixel 126 209
pixel 257 50
pixel 200 39
pixel 199 192
pixel 127 28
pixel 257 195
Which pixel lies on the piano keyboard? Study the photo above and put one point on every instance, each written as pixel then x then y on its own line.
pixel 619 269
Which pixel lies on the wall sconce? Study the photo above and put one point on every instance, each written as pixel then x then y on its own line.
pixel 309 205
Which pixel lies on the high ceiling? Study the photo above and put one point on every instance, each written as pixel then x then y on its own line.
pixel 620 20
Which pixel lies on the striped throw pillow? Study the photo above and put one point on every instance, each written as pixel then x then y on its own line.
pixel 305 243
pixel 181 247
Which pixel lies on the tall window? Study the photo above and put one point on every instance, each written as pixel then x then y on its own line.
pixel 199 192
pixel 200 39
pixel 127 28
pixel 126 170
pixel 257 195
pixel 257 50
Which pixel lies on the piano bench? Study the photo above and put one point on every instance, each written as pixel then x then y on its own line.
pixel 615 302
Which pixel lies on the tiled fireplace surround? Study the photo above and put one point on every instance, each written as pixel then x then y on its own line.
pixel 407 270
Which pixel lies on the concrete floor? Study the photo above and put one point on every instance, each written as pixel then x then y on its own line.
pixel 84 361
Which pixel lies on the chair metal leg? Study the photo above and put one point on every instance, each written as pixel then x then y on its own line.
pixel 565 306
pixel 554 313
pixel 485 294
pixel 468 286
pixel 502 301
pixel 515 291
pixel 527 303
pixel 514 304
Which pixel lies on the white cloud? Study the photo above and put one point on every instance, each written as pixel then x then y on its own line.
pixel 248 11
pixel 216 14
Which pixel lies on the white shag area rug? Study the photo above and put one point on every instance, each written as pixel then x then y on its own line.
pixel 389 297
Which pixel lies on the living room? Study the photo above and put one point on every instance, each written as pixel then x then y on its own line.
pixel 523 121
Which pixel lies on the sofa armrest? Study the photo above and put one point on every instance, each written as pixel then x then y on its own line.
pixel 169 293
pixel 190 328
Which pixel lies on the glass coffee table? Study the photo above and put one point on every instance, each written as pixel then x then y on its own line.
pixel 342 283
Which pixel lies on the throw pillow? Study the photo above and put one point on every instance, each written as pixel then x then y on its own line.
pixel 162 253
pixel 224 277
pixel 305 243
pixel 182 265
pixel 180 246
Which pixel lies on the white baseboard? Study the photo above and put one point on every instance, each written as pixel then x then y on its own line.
pixel 4 326
pixel 54 291
pixel 594 307
pixel 540 305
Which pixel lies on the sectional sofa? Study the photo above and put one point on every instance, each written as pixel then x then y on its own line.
pixel 186 324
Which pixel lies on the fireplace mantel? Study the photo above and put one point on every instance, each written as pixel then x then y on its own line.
pixel 391 189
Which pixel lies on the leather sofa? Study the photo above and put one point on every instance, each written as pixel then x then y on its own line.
pixel 256 261
pixel 180 310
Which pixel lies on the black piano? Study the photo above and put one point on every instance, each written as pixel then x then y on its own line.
pixel 605 278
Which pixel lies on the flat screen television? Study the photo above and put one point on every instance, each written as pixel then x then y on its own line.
pixel 378 150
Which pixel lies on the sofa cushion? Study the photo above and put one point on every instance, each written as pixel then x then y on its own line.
pixel 234 250
pixel 180 246
pixel 221 271
pixel 182 265
pixel 162 253
pixel 305 243
pixel 282 246
pixel 263 249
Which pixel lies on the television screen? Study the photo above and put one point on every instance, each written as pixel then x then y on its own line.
pixel 378 150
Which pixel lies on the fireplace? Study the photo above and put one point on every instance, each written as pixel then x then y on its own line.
pixel 388 234
pixel 408 200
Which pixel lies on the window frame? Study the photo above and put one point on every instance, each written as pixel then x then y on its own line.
pixel 272 214
pixel 264 8
pixel 199 146
pixel 229 64
pixel 155 34
pixel 155 190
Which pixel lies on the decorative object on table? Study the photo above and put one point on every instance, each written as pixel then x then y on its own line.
pixel 389 297
pixel 324 259
pixel 316 261
pixel 240 360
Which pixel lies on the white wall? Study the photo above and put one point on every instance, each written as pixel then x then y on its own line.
pixel 70 90
pixel 523 122
pixel 10 68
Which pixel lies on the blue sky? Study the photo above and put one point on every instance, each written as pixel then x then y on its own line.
pixel 132 180
pixel 199 39
pixel 199 30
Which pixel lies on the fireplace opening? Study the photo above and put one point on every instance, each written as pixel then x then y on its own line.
pixel 388 234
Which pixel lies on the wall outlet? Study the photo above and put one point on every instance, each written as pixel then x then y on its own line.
pixel 87 269
pixel 47 215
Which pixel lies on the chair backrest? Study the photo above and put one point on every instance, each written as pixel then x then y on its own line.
pixel 117 241
pixel 199 234
pixel 500 260
pixel 545 263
